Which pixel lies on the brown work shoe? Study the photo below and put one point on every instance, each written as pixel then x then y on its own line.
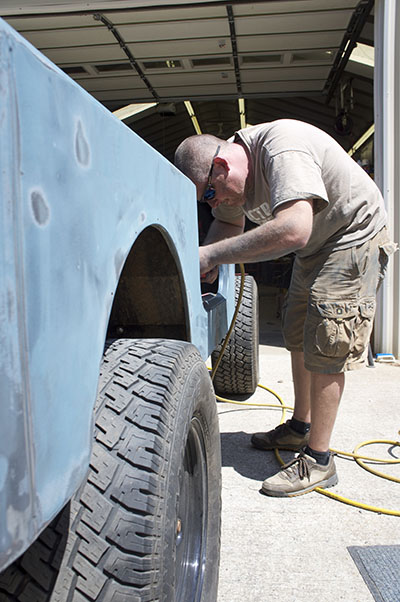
pixel 281 437
pixel 301 475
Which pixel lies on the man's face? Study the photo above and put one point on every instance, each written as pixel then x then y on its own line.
pixel 229 187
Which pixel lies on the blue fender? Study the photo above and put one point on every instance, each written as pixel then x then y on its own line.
pixel 77 189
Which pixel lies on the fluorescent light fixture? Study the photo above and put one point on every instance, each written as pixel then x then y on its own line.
pixel 133 109
pixel 242 113
pixel 363 54
pixel 362 140
pixel 192 116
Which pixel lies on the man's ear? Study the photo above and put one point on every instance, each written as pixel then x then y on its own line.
pixel 221 162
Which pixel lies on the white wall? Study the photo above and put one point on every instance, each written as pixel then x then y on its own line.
pixel 387 162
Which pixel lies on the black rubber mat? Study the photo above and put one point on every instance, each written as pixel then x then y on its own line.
pixel 380 569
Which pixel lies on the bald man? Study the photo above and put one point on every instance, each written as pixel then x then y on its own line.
pixel 310 198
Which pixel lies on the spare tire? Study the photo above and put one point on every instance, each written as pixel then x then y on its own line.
pixel 238 370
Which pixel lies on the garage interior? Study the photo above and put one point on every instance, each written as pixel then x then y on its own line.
pixel 172 70
pixel 213 66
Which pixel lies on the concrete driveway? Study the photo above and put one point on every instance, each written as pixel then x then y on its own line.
pixel 296 549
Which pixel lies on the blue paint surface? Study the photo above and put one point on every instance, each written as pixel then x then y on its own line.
pixel 77 188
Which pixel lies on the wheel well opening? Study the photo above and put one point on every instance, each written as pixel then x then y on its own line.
pixel 149 300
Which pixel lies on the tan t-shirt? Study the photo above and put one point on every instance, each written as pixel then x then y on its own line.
pixel 293 160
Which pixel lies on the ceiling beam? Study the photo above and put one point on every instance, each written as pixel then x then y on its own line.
pixel 134 64
pixel 133 109
pixel 235 56
pixel 192 116
pixel 349 42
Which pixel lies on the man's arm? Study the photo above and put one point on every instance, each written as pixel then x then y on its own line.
pixel 220 230
pixel 289 230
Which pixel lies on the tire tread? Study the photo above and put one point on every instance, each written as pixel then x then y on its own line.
pixel 237 373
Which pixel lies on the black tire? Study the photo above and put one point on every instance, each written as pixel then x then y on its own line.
pixel 146 524
pixel 237 373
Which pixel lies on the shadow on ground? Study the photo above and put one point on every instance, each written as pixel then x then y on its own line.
pixel 251 463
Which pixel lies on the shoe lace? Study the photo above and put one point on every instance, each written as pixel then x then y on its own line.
pixel 299 465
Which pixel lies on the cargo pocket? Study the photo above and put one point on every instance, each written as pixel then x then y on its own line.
pixel 334 325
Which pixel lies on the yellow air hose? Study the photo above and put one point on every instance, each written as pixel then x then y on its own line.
pixel 357 457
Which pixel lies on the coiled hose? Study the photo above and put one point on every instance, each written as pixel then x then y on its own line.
pixel 357 457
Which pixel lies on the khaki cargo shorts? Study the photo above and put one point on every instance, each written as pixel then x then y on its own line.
pixel 329 310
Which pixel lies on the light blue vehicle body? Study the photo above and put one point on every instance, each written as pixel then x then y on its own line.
pixel 79 191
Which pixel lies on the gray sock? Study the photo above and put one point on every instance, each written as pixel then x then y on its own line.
pixel 320 457
pixel 300 427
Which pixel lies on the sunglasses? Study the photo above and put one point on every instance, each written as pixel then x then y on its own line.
pixel 209 191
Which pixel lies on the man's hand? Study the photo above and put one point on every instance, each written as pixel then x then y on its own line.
pixel 211 276
pixel 208 270
pixel 218 231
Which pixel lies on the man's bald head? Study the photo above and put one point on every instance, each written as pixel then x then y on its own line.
pixel 194 155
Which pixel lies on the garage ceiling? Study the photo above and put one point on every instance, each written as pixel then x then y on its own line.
pixel 286 58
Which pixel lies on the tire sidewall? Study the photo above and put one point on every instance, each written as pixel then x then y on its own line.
pixel 195 399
